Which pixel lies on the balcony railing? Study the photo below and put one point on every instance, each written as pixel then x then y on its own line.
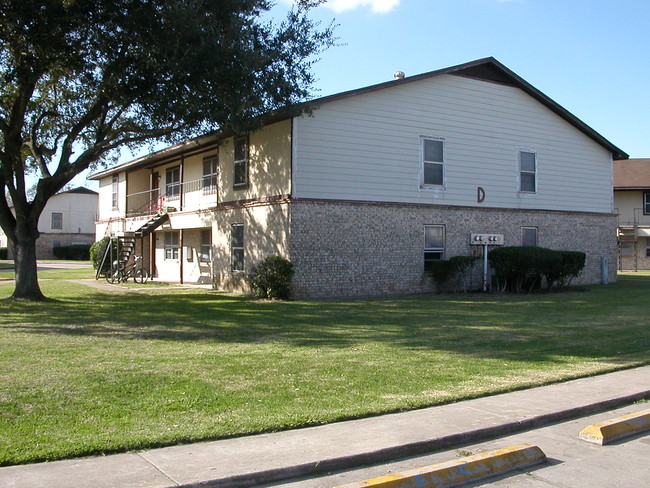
pixel 189 195
pixel 635 219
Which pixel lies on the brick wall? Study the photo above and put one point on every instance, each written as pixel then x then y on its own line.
pixel 45 242
pixel 356 249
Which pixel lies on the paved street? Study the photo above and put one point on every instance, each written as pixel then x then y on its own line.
pixel 572 463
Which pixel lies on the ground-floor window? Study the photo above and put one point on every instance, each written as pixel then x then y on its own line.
pixel 172 245
pixel 434 244
pixel 647 247
pixel 529 236
pixel 206 246
pixel 237 247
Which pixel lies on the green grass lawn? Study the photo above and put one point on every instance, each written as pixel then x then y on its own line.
pixel 96 372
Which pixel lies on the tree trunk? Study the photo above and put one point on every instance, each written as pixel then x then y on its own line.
pixel 26 278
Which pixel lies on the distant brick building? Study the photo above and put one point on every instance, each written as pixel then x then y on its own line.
pixel 68 218
pixel 632 202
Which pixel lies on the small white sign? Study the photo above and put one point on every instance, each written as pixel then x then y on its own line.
pixel 489 239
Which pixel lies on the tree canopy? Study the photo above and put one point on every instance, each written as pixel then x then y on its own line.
pixel 81 78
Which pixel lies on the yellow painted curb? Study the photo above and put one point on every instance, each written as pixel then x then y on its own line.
pixel 458 471
pixel 614 429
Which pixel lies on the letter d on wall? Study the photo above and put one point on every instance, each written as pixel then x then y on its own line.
pixel 480 194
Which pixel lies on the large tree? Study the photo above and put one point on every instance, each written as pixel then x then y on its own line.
pixel 81 78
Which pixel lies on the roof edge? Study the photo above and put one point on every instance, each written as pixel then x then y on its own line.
pixel 469 69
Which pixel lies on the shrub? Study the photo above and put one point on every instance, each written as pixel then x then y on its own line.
pixel 4 253
pixel 449 275
pixel 569 266
pixel 97 251
pixel 79 252
pixel 271 278
pixel 523 267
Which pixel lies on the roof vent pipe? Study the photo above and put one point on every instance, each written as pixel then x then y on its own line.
pixel 398 75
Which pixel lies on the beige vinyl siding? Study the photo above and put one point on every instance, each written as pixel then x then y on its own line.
pixel 269 164
pixel 626 202
pixel 367 147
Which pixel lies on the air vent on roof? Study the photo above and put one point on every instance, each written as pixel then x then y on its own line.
pixel 398 75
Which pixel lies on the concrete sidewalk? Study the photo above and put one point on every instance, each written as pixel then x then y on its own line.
pixel 247 461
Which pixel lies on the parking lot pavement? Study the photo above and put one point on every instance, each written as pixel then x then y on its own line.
pixel 572 462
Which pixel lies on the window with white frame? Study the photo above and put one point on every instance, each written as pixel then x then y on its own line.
pixel 237 247
pixel 240 166
pixel 527 171
pixel 646 203
pixel 57 220
pixel 434 244
pixel 206 246
pixel 172 244
pixel 210 174
pixel 173 182
pixel 115 183
pixel 433 162
pixel 647 247
pixel 529 236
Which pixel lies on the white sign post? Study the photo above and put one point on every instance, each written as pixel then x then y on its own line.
pixel 486 240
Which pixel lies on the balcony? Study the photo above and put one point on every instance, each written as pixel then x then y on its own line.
pixel 174 197
pixel 636 219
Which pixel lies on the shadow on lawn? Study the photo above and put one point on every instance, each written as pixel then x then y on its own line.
pixel 528 327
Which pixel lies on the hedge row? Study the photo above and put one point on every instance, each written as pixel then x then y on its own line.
pixel 79 252
pixel 524 268
pixel 4 253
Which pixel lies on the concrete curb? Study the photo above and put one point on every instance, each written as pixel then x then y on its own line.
pixel 617 428
pixel 458 471
pixel 413 449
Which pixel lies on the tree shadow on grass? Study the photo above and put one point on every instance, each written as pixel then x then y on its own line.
pixel 530 328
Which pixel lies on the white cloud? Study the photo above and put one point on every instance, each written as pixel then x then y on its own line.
pixel 376 6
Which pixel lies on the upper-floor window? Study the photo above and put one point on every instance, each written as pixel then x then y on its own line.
pixel 237 247
pixel 527 171
pixel 434 244
pixel 114 189
pixel 529 236
pixel 433 162
pixel 210 174
pixel 646 203
pixel 57 220
pixel 173 182
pixel 240 167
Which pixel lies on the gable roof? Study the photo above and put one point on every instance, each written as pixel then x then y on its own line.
pixel 80 189
pixel 485 69
pixel 632 174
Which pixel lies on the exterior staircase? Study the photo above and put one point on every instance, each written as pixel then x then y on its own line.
pixel 119 249
pixel 151 225
pixel 627 234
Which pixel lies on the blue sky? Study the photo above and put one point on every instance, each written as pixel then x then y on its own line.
pixel 591 57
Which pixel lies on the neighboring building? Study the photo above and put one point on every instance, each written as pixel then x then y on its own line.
pixel 632 202
pixel 374 184
pixel 68 218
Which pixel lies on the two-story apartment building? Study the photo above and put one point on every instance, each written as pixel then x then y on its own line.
pixel 632 202
pixel 372 185
pixel 68 218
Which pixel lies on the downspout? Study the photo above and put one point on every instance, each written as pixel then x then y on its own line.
pixel 180 254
